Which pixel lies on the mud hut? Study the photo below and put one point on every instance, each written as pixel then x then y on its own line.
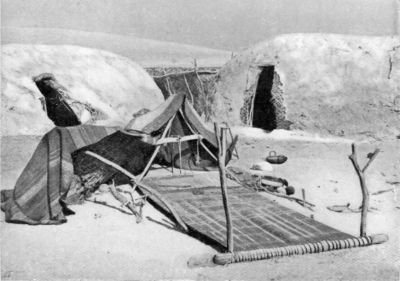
pixel 322 83
pixel 105 88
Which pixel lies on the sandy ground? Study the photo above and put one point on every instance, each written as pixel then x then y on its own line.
pixel 102 243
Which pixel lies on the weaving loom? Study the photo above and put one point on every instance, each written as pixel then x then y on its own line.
pixel 250 226
pixel 262 228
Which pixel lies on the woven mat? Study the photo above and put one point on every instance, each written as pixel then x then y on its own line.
pixel 258 222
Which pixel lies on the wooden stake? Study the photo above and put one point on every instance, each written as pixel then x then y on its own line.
pixel 195 64
pixel 303 193
pixel 221 139
pixel 364 188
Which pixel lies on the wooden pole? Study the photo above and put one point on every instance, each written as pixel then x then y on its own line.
pixel 221 139
pixel 232 139
pixel 364 188
pixel 148 189
pixel 308 248
pixel 157 149
pixel 232 176
pixel 125 202
pixel 194 132
pixel 195 64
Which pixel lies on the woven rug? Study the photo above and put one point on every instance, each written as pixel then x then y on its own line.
pixel 258 222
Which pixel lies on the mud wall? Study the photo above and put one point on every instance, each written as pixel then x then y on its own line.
pixel 332 84
pixel 113 86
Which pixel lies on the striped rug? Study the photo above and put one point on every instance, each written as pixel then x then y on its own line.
pixel 48 180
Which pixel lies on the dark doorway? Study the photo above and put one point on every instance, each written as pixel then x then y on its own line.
pixel 264 111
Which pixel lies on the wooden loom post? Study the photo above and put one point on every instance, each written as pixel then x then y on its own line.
pixel 364 188
pixel 220 134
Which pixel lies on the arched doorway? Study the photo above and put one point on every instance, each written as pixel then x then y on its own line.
pixel 264 110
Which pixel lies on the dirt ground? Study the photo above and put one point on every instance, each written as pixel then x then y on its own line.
pixel 104 244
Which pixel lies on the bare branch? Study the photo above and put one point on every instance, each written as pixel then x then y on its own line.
pixel 364 188
pixel 372 157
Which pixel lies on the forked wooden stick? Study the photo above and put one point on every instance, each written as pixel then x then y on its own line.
pixel 144 187
pixel 221 139
pixel 125 202
pixel 364 188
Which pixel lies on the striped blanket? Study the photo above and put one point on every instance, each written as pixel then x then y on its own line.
pixel 48 182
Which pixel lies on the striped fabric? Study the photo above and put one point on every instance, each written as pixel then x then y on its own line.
pixel 47 182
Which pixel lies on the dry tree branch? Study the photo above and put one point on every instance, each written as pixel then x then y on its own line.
pixel 364 188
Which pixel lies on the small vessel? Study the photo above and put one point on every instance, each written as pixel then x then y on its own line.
pixel 273 158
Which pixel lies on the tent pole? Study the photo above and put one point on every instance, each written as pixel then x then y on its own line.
pixel 194 132
pixel 201 141
pixel 221 139
pixel 232 138
pixel 146 169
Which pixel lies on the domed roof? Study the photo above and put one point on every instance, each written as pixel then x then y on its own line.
pixel 110 84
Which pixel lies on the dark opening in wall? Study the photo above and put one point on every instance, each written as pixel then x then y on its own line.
pixel 264 108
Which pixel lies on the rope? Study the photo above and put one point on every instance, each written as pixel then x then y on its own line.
pixel 197 161
pixel 180 155
pixel 179 142
pixel 231 135
pixel 172 156
pixel 170 150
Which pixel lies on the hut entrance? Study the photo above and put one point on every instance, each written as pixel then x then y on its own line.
pixel 264 111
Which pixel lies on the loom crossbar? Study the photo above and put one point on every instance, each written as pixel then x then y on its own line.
pixel 308 248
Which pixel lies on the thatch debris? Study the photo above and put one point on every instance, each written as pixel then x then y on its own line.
pixel 198 85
